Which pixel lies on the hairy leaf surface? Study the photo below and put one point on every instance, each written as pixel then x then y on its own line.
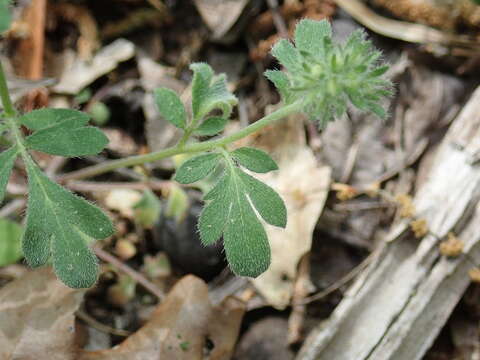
pixel 309 35
pixel 44 118
pixel 63 132
pixel 268 203
pixel 229 212
pixel 60 225
pixel 197 168
pixel 171 107
pixel 254 159
pixel 327 77
pixel 210 92
pixel 211 126
pixel 7 158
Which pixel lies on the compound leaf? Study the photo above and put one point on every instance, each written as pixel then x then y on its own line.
pixel 211 126
pixel 63 132
pixel 170 107
pixel 61 225
pixel 229 212
pixel 255 160
pixel 196 168
pixel 7 158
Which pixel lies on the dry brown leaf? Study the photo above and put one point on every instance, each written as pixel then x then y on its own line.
pixel 77 73
pixel 184 327
pixel 303 184
pixel 442 14
pixel 123 201
pixel 220 15
pixel 37 318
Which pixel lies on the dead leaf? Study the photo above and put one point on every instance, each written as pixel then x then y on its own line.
pixel 303 184
pixel 37 317
pixel 185 326
pixel 441 14
pixel 120 142
pixel 77 73
pixel 123 201
pixel 220 15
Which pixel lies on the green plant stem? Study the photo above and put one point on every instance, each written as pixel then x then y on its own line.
pixel 188 132
pixel 183 149
pixel 8 108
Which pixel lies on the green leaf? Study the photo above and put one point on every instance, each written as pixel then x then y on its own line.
pixel 170 107
pixel 61 225
pixel 100 113
pixel 229 212
pixel 379 71
pixel 196 168
pixel 255 160
pixel 147 209
pixel 211 126
pixel 327 77
pixel 7 159
pixel 202 78
pixel 309 35
pixel 218 97
pixel 5 17
pixel 268 203
pixel 10 242
pixel 210 92
pixel 244 239
pixel 67 140
pixel 214 215
pixel 287 55
pixel 63 132
pixel 281 82
pixel 377 110
pixel 177 203
pixel 44 118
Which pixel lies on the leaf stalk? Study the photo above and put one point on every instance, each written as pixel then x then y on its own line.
pixel 8 108
pixel 183 149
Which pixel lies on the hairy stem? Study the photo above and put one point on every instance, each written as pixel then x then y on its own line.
pixel 183 149
pixel 8 108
